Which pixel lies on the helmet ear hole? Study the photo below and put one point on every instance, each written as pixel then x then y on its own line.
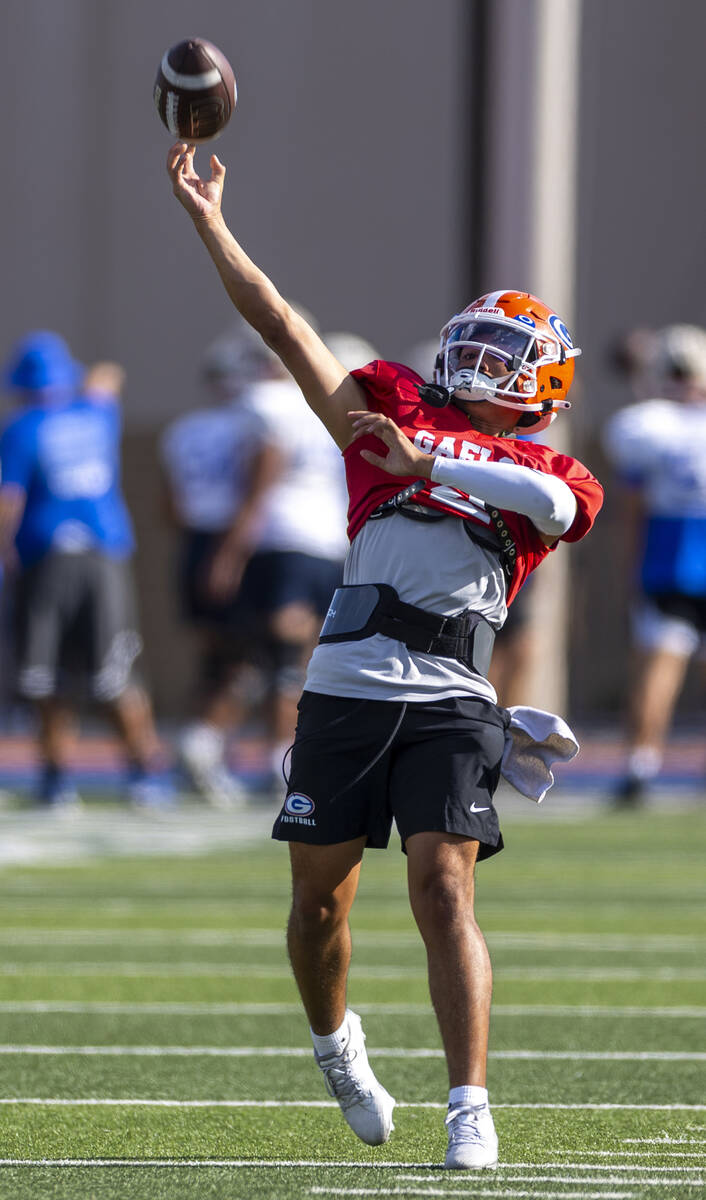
pixel 554 383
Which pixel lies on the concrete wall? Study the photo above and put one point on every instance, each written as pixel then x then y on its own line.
pixel 641 261
pixel 345 158
pixel 351 180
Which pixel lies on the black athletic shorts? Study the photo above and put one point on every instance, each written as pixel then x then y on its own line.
pixel 358 764
pixel 683 606
pixel 196 552
pixel 76 618
pixel 274 579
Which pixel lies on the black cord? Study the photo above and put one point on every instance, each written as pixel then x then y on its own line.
pixel 308 736
pixel 376 759
pixel 369 766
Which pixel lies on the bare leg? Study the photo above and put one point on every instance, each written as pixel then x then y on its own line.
pixel 132 715
pixel 228 683
pixel 440 877
pixel 324 884
pixel 57 732
pixel 224 709
pixel 292 631
pixel 659 679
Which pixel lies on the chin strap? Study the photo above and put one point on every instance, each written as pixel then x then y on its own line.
pixel 439 396
pixel 435 394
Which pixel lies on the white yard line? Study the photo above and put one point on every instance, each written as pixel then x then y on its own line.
pixel 378 1052
pixel 509 1175
pixel 274 1164
pixel 30 837
pixel 591 1166
pixel 663 1141
pixel 236 1008
pixel 665 1176
pixel 135 1102
pixel 360 971
pixel 339 1191
pixel 608 942
pixel 636 1154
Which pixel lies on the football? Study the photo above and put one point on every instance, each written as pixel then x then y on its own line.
pixel 195 90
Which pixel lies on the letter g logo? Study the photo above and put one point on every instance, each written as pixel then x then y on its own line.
pixel 561 331
pixel 298 805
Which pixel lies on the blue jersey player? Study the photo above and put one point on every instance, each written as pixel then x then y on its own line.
pixel 658 447
pixel 65 528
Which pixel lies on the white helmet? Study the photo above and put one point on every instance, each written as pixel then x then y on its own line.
pixel 351 350
pixel 679 354
pixel 238 357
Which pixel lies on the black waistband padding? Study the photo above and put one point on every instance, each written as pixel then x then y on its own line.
pixel 359 611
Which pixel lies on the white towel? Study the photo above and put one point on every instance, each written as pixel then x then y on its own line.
pixel 533 741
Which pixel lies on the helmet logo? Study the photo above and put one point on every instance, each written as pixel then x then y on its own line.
pixel 561 331
pixel 492 312
pixel 525 320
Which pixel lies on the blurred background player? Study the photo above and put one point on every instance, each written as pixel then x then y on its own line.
pixel 297 562
pixel 658 448
pixel 216 471
pixel 263 517
pixel 66 535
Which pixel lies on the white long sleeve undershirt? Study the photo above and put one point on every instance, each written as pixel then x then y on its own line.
pixel 547 501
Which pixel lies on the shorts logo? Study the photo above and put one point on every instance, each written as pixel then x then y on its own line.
pixel 298 805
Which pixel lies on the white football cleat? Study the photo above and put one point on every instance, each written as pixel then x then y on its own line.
pixel 201 753
pixel 349 1078
pixel 473 1142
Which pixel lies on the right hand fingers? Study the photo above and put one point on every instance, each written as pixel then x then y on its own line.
pixel 369 422
pixel 176 153
pixel 217 169
pixel 376 460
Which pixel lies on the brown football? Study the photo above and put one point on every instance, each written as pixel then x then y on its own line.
pixel 195 90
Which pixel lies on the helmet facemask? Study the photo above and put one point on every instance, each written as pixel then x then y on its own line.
pixel 492 361
pixel 503 360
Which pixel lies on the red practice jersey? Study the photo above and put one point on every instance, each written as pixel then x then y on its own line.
pixel 391 389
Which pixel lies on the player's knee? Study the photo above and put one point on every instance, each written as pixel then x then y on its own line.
pixel 288 667
pixel 248 685
pixel 315 910
pixel 442 901
pixel 295 623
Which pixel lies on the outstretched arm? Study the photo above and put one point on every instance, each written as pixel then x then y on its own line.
pixel 547 501
pixel 329 389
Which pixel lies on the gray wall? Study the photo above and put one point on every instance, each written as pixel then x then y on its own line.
pixel 641 261
pixel 345 166
pixel 343 174
pixel 349 180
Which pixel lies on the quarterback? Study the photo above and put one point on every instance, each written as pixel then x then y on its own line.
pixel 448 515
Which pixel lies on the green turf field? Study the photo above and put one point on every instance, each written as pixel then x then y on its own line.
pixel 151 1044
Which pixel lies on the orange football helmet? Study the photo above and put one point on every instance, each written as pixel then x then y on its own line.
pixel 508 347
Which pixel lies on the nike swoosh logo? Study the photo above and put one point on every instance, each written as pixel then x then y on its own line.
pixel 474 809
